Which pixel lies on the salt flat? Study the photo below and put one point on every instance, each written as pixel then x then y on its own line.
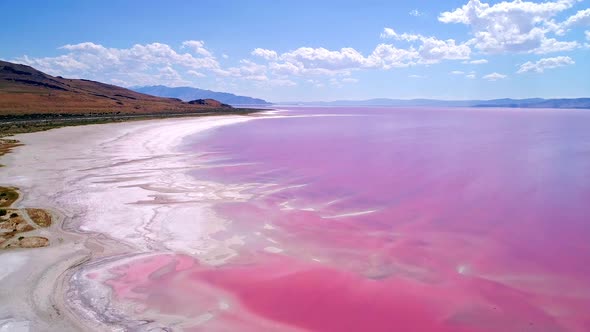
pixel 113 187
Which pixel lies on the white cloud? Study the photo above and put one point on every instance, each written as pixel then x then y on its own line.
pixel 415 13
pixel 321 61
pixel 587 33
pixel 321 58
pixel 416 76
pixel 306 61
pixel 494 77
pixel 457 72
pixel 547 63
pixel 141 64
pixel 195 73
pixel 431 50
pixel 388 33
pixel 225 56
pixel 517 26
pixel 285 68
pixel 582 17
pixel 477 62
pixel 471 76
pixel 264 53
pixel 247 70
pixel 387 56
pixel 549 45
pixel 197 46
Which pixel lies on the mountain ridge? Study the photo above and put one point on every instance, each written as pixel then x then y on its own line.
pixel 187 93
pixel 25 90
pixel 581 103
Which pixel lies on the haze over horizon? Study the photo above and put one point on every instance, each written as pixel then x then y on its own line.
pixel 304 51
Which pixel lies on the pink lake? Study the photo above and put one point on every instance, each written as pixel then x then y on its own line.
pixel 383 219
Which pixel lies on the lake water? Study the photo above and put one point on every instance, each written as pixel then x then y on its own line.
pixel 377 219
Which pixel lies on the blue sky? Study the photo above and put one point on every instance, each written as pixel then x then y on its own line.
pixel 312 50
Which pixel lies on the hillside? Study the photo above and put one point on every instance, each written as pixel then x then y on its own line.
pixel 188 93
pixel 26 91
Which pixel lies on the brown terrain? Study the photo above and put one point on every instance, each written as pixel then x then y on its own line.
pixel 27 91
pixel 18 226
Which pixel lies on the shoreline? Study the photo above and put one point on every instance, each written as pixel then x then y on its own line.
pixel 28 123
pixel 111 187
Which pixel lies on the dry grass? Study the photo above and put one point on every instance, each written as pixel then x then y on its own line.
pixel 7 196
pixel 40 217
pixel 13 224
pixel 31 242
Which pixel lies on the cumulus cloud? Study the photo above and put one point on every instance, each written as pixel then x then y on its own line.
pixel 517 26
pixel 321 61
pixel 547 63
pixel 264 53
pixel 141 64
pixel 550 45
pixel 416 76
pixel 387 56
pixel 388 33
pixel 494 76
pixel 457 72
pixel 305 61
pixel 581 18
pixel 431 49
pixel 197 46
pixel 321 58
pixel 246 70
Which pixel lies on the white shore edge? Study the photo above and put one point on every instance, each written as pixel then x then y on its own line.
pixel 112 187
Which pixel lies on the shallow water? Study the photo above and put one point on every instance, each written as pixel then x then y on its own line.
pixel 376 219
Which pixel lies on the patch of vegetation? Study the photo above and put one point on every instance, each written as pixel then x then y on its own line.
pixel 7 196
pixel 40 217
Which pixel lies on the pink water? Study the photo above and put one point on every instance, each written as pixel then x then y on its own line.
pixel 391 220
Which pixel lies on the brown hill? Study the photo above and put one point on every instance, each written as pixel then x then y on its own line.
pixel 25 91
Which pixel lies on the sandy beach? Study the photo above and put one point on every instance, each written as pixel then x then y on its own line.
pixel 109 187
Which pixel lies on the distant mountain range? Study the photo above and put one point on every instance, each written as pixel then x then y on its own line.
pixel 188 93
pixel 507 102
